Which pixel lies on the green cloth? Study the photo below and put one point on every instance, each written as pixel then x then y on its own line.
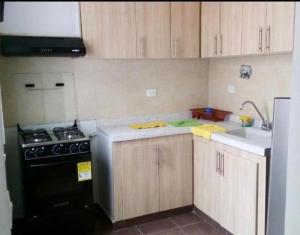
pixel 185 123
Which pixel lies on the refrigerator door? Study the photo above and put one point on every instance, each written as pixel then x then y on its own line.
pixel 277 170
pixel 5 204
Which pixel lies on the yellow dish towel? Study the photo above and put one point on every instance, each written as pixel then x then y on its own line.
pixel 206 130
pixel 146 125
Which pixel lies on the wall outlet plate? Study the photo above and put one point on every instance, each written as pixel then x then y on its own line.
pixel 151 92
pixel 231 89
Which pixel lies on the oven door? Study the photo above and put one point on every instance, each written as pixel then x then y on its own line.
pixel 55 187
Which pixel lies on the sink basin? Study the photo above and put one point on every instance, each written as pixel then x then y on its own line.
pixel 250 133
pixel 249 139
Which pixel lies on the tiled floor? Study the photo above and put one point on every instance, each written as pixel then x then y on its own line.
pixel 185 224
pixel 98 224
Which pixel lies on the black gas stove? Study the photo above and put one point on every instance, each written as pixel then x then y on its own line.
pixel 57 170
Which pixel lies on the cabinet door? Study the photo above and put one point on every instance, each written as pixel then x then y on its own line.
pixel 175 171
pixel 185 29
pixel 153 29
pixel 140 180
pixel 254 18
pixel 280 26
pixel 109 29
pixel 230 29
pixel 210 28
pixel 206 178
pixel 238 194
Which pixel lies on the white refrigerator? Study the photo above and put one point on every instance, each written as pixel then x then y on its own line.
pixel 277 168
pixel 5 203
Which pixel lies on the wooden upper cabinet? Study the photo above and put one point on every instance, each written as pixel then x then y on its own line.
pixel 254 18
pixel 185 29
pixel 109 29
pixel 210 28
pixel 153 29
pixel 230 28
pixel 280 26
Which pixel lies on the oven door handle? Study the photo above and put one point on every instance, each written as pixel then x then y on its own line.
pixel 53 163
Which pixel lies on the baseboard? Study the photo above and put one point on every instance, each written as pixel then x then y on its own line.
pixel 152 217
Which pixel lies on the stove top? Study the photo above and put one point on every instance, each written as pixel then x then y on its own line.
pixel 61 141
pixel 41 136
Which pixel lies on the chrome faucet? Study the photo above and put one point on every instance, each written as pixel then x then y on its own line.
pixel 267 126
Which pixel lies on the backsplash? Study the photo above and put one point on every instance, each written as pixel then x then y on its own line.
pixel 117 88
pixel 271 77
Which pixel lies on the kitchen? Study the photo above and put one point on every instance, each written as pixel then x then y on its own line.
pixel 138 68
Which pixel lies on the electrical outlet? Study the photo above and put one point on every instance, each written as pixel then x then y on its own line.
pixel 151 92
pixel 231 89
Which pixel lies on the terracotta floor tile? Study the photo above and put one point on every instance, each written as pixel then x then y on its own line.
pixel 156 226
pixel 185 219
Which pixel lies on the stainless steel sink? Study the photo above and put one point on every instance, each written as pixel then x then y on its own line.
pixel 250 133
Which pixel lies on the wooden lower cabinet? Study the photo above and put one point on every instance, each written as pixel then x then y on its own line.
pixel 238 190
pixel 141 182
pixel 152 175
pixel 206 181
pixel 175 172
pixel 229 186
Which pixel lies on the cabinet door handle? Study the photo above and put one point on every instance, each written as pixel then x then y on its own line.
pixel 268 38
pixel 217 161
pixel 260 39
pixel 158 159
pixel 221 44
pixel 216 44
pixel 142 49
pixel 223 166
pixel 176 46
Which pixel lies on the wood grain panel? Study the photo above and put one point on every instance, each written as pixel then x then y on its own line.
pixel 206 178
pixel 280 22
pixel 253 36
pixel 109 29
pixel 185 29
pixel 153 29
pixel 230 29
pixel 210 28
pixel 175 171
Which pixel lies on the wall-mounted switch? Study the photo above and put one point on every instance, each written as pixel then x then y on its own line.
pixel 231 89
pixel 151 92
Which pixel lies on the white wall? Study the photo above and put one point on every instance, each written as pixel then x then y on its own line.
pixel 292 219
pixel 41 19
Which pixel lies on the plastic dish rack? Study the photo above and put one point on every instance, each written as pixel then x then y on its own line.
pixel 211 114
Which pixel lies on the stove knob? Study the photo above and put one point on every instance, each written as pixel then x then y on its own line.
pixel 55 149
pixel 74 148
pixel 29 153
pixel 84 147
pixel 63 149
pixel 39 152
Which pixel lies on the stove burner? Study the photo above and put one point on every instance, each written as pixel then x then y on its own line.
pixel 67 133
pixel 35 136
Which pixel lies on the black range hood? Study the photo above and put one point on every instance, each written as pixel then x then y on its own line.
pixel 42 46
